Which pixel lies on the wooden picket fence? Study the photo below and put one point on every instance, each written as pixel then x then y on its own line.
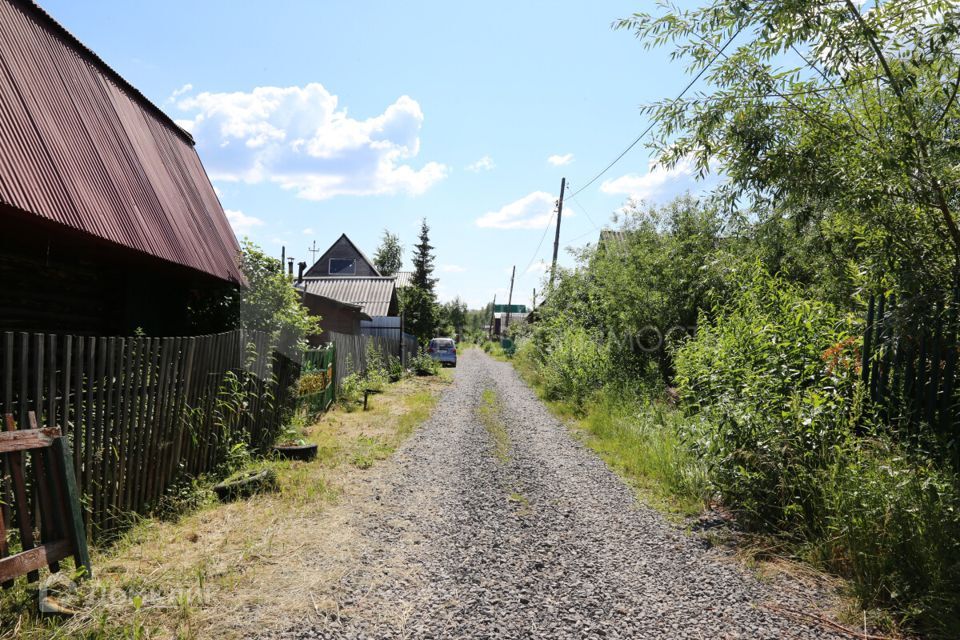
pixel 909 367
pixel 142 411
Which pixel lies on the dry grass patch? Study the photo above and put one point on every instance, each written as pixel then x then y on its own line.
pixel 235 570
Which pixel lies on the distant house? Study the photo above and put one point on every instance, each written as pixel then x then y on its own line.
pixel 344 274
pixel 108 221
pixel 377 296
pixel 342 260
pixel 338 317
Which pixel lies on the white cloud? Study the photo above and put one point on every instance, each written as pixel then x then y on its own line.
pixel 657 181
pixel 187 88
pixel 308 231
pixel 532 211
pixel 302 139
pixel 485 163
pixel 558 160
pixel 452 268
pixel 242 223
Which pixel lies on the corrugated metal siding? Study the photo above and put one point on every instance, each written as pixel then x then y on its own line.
pixel 78 149
pixel 374 295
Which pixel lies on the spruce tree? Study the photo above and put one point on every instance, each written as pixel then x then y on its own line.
pixel 423 260
pixel 419 300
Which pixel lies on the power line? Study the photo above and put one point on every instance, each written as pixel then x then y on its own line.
pixel 652 124
pixel 540 244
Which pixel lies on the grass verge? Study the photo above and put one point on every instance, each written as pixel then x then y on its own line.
pixel 235 570
pixel 490 412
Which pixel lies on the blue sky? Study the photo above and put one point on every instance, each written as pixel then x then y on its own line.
pixel 324 117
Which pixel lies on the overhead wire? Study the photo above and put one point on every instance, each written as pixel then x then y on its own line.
pixel 649 128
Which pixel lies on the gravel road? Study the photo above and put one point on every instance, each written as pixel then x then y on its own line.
pixel 545 542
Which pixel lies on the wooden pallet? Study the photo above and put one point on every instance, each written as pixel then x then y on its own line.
pixel 52 491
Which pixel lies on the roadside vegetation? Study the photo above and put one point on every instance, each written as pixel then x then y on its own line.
pixel 713 349
pixel 206 569
pixel 490 412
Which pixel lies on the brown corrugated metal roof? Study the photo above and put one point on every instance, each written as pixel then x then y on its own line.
pixel 79 146
pixel 374 295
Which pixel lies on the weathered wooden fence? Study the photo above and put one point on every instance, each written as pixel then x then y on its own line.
pixel 140 411
pixel 909 366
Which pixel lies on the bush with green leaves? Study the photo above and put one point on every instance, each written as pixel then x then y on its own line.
pixel 576 365
pixel 893 526
pixel 423 365
pixel 777 404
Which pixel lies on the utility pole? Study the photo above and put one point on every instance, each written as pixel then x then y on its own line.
pixel 510 297
pixel 556 239
pixel 314 251
pixel 534 299
pixel 493 314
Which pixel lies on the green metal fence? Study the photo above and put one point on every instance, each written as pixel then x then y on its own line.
pixel 321 363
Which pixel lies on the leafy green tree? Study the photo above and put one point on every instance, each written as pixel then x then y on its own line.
pixel 269 303
pixel 453 317
pixel 838 115
pixel 388 258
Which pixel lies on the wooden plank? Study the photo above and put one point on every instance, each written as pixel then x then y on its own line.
pixel 143 380
pixel 49 515
pixel 190 345
pixel 172 416
pixel 25 439
pixel 66 423
pixel 78 423
pixel 115 382
pixel 71 501
pixel 6 495
pixel 89 432
pixel 51 417
pixel 29 561
pixel 151 462
pixel 98 437
pixel 146 406
pixel 24 402
pixel 133 442
pixel 38 375
pixel 21 503
pixel 198 400
pixel 125 394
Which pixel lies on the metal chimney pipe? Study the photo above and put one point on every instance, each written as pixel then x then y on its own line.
pixel 302 267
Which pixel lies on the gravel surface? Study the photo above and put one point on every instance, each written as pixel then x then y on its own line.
pixel 545 543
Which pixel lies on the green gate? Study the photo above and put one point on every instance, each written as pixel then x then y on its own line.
pixel 320 363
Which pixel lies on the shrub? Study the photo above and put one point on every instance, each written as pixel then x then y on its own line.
pixel 423 365
pixel 894 528
pixel 351 390
pixel 775 410
pixel 575 366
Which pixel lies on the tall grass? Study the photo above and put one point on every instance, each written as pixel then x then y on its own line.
pixel 647 442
